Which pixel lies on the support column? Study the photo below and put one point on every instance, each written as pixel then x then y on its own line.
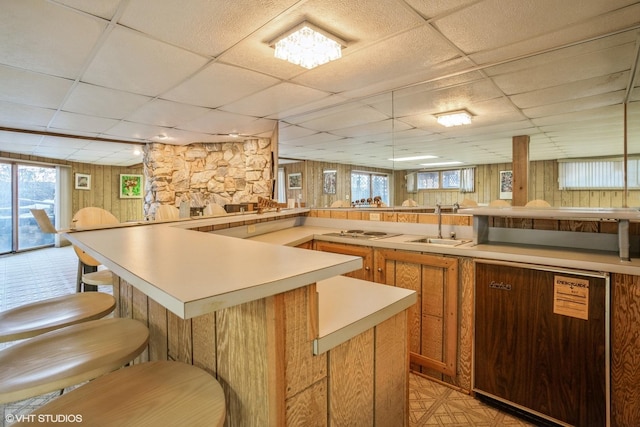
pixel 520 169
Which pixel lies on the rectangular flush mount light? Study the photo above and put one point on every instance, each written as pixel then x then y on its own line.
pixel 308 46
pixel 454 118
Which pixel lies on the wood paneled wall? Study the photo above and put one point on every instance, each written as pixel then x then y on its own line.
pixel 105 186
pixel 543 184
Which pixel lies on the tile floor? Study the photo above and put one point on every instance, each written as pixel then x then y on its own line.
pixel 51 272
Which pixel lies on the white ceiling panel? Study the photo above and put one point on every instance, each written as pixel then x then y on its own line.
pixel 38 90
pixel 203 26
pixel 74 122
pixel 25 115
pixel 103 102
pixel 179 73
pixel 42 37
pixel 348 118
pixel 275 99
pixel 104 8
pixel 219 84
pixel 166 113
pixel 145 66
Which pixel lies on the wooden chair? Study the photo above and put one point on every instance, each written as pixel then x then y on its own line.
pixel 89 276
pixel 166 212
pixel 69 356
pixel 44 316
pixel 150 394
pixel 468 203
pixel 499 204
pixel 214 209
pixel 537 203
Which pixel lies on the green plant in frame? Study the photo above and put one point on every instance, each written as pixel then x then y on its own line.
pixel 130 186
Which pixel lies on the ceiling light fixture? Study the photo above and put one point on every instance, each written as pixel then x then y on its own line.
pixel 454 118
pixel 308 46
pixel 441 164
pixel 408 159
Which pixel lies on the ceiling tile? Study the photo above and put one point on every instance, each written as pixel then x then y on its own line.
pixel 38 90
pixel 100 101
pixel 16 114
pixel 347 118
pixel 275 99
pixel 145 66
pixel 219 84
pixel 565 70
pixel 104 8
pixel 43 37
pixel 203 26
pixel 493 23
pixel 73 122
pixel 165 113
pixel 221 122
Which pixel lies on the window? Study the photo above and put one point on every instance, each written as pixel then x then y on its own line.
pixel 600 174
pixel 367 185
pixel 451 179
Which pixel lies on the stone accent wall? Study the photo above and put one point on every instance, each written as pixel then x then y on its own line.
pixel 204 173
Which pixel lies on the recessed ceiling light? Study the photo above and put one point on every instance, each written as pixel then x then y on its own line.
pixel 161 136
pixel 407 159
pixel 233 135
pixel 454 118
pixel 136 152
pixel 441 164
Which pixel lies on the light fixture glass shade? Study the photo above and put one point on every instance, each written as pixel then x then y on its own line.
pixel 454 118
pixel 308 46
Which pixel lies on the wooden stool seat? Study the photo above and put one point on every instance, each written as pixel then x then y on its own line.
pixel 150 394
pixel 100 277
pixel 69 356
pixel 54 313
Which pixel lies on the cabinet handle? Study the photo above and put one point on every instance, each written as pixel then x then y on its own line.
pixel 379 270
pixel 367 268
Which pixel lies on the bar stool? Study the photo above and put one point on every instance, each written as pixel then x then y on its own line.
pixel 40 317
pixel 87 265
pixel 69 356
pixel 149 394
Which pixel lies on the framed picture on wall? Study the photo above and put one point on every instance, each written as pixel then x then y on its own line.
pixel 294 181
pixel 130 186
pixel 506 185
pixel 329 181
pixel 83 181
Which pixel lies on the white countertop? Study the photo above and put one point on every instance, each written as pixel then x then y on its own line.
pixel 347 307
pixel 193 273
pixel 540 255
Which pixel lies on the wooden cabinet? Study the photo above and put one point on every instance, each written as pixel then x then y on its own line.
pixel 433 320
pixel 366 252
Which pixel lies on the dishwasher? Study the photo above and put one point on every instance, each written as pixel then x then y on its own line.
pixel 541 341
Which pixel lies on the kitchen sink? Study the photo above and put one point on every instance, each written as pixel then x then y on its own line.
pixel 439 241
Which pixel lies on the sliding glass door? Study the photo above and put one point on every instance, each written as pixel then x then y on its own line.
pixel 24 187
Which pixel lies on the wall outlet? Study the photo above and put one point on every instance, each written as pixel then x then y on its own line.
pixel 251 228
pixel 374 217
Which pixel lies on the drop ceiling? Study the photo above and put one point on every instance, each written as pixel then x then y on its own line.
pixel 91 81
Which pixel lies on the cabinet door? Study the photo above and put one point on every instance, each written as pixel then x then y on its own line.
pixel 433 320
pixel 366 272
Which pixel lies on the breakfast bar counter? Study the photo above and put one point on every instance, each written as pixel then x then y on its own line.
pixel 260 318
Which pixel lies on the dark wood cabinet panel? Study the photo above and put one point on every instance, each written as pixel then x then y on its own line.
pixel 553 364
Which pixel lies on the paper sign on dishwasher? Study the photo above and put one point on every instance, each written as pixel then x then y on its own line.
pixel 571 297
